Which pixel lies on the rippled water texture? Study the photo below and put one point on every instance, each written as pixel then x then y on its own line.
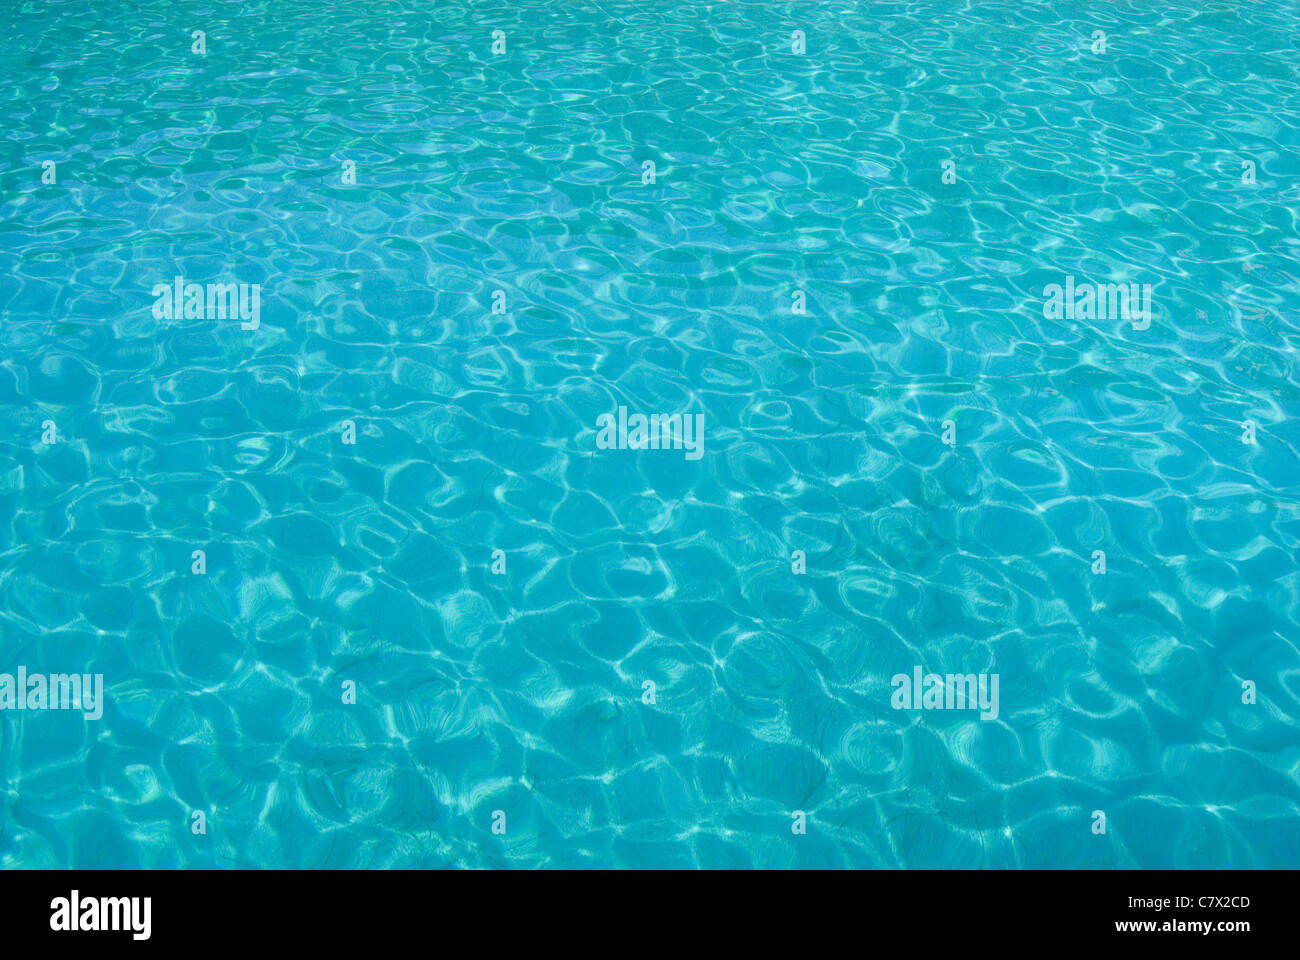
pixel 774 172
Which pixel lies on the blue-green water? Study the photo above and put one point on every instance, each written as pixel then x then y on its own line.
pixel 1166 154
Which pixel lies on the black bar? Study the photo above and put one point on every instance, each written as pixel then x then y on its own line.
pixel 339 909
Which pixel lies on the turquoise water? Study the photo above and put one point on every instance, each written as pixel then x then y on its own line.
pixel 922 320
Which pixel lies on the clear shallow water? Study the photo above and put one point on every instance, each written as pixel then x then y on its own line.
pixel 476 432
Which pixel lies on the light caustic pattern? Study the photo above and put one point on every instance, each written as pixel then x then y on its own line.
pixel 921 173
